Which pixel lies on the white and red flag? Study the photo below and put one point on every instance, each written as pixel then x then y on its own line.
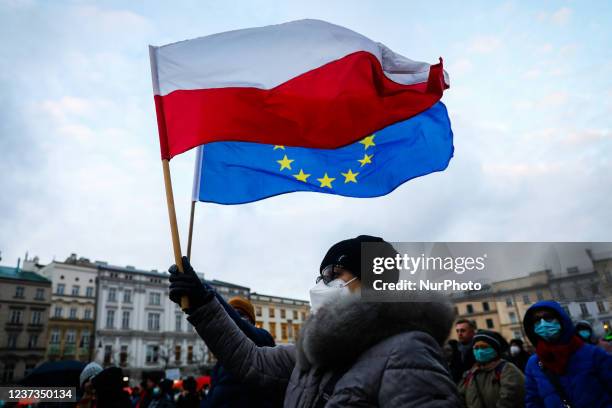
pixel 305 83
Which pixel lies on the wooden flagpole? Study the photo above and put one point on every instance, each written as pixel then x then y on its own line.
pixel 189 239
pixel 176 242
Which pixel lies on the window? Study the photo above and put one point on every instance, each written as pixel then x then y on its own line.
pixel 152 354
pixel 19 292
pixel 55 336
pixel 58 311
pixel 127 296
pixel 40 294
pixel 271 312
pixel 9 370
pixel 70 337
pixel 526 300
pixel 490 324
pixel 12 340
pixel 512 317
pixel 601 307
pixel 153 322
pixel 517 334
pixel 110 319
pixel 75 290
pixel 259 324
pixel 508 301
pixel 36 317
pixel 154 298
pixel 85 339
pixel 108 352
pixel 273 329
pixel 123 355
pixel 258 311
pixel 73 312
pixel 89 291
pixel 584 310
pixel 296 331
pixel 469 308
pixel 189 354
pixel 295 315
pixel 485 306
pixel 303 315
pixel 177 354
pixel 87 315
pixel 125 320
pixel 284 331
pixel 566 310
pixel 15 316
pixel 178 324
pixel 112 295
pixel 60 288
pixel 282 313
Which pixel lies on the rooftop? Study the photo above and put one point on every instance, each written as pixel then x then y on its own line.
pixel 10 272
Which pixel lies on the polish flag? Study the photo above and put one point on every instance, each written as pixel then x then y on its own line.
pixel 305 83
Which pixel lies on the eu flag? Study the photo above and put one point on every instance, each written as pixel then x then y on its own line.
pixel 241 172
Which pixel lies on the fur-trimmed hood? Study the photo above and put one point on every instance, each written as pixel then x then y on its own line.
pixel 346 327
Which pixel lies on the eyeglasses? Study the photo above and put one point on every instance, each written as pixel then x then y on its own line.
pixel 329 273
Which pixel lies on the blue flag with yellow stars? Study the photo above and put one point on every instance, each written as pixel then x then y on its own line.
pixel 241 172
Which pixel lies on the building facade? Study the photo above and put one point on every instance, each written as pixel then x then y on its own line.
pixel 25 299
pixel 72 313
pixel 139 329
pixel 282 317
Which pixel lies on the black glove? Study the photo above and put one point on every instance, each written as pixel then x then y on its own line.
pixel 188 284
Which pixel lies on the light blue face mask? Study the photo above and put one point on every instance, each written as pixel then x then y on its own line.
pixel 484 355
pixel 547 330
pixel 584 334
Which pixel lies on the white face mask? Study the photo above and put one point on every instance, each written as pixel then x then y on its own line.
pixel 322 293
pixel 515 350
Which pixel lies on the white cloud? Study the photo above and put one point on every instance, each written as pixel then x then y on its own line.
pixel 561 16
pixel 484 44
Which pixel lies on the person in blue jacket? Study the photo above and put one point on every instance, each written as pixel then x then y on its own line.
pixel 564 371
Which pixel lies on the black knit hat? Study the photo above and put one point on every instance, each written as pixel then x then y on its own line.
pixel 494 339
pixel 347 254
pixel 110 380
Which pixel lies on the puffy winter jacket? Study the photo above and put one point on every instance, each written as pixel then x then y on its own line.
pixel 588 379
pixel 376 354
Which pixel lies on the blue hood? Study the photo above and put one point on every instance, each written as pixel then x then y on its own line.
pixel 567 327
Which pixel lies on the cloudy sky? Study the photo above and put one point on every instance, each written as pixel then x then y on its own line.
pixel 80 171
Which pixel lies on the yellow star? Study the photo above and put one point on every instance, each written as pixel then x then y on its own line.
pixel 366 159
pixel 350 176
pixel 279 147
pixel 285 163
pixel 326 181
pixel 368 141
pixel 301 176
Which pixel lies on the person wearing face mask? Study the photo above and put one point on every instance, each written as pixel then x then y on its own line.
pixel 349 352
pixel 226 390
pixel 584 330
pixel 517 354
pixel 492 381
pixel 564 371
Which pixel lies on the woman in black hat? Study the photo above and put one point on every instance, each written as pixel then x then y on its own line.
pixel 349 353
pixel 492 382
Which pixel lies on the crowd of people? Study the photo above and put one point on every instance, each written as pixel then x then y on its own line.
pixel 376 354
pixel 567 368
pixel 101 388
